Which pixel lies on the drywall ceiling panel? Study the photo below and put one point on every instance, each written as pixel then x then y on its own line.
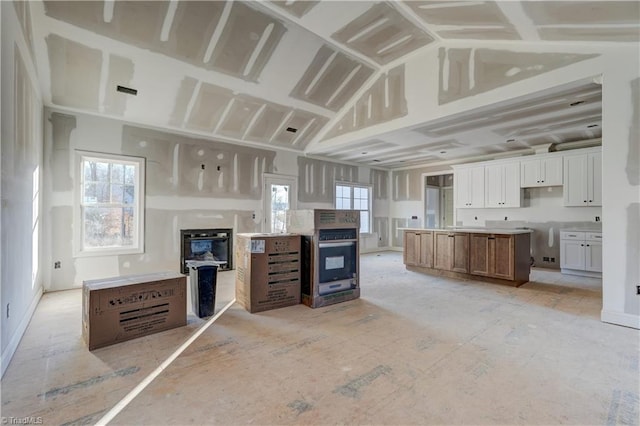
pixel 183 97
pixel 591 34
pixel 331 79
pixel 211 102
pixel 24 16
pixel 269 119
pixel 229 37
pixel 467 72
pixel 306 125
pixel 193 25
pixel 120 74
pixel 552 125
pixel 472 13
pixel 240 116
pixel 582 12
pixel 382 34
pixel 246 43
pixel 384 101
pixel 297 8
pixel 75 73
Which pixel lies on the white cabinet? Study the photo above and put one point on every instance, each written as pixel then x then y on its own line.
pixel 583 179
pixel 581 253
pixel 469 187
pixel 541 172
pixel 502 185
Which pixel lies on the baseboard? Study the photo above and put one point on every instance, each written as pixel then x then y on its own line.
pixel 374 250
pixel 7 354
pixel 620 318
pixel 581 273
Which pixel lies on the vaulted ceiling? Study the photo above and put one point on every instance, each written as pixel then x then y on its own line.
pixel 294 74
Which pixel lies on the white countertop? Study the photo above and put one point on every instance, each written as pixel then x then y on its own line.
pixel 598 231
pixel 504 231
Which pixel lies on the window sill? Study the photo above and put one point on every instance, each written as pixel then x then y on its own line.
pixel 108 252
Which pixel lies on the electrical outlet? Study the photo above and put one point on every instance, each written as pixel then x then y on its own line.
pixel 552 259
pixel 56 265
pixel 253 216
pixel 545 259
pixel 638 289
pixel 597 218
pixel 505 218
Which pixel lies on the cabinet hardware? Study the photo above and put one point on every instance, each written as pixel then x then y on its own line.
pixel 584 201
pixel 491 238
pixel 588 245
pixel 581 245
pixel 591 201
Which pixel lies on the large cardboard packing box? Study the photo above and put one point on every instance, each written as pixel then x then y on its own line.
pixel 123 308
pixel 267 271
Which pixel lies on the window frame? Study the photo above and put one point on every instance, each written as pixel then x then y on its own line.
pixel 369 210
pixel 138 205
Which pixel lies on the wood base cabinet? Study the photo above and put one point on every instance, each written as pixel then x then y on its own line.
pixel 451 251
pixel 500 258
pixel 418 248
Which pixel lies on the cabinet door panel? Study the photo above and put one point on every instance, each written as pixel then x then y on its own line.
pixel 461 184
pixel 442 251
pixel 593 256
pixel 529 173
pixel 493 180
pixel 426 249
pixel 575 180
pixel 410 245
pixel 551 171
pixel 477 186
pixel 460 257
pixel 479 254
pixel 595 179
pixel 511 185
pixel 503 256
pixel 572 254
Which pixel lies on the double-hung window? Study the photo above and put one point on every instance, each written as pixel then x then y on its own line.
pixel 355 197
pixel 110 204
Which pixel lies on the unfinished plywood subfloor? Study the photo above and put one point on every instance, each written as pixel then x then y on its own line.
pixel 415 349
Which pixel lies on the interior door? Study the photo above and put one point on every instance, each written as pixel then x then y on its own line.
pixel 280 195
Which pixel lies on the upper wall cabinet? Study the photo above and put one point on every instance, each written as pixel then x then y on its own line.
pixel 469 187
pixel 502 185
pixel 541 172
pixel 583 179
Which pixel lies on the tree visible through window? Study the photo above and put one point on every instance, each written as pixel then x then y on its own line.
pixel 355 197
pixel 110 203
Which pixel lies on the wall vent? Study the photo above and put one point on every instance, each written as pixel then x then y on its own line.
pixel 127 90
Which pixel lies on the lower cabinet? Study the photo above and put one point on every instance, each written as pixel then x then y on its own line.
pixel 581 253
pixel 492 255
pixel 418 248
pixel 451 251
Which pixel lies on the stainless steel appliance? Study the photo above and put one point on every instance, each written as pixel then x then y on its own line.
pixel 206 245
pixel 330 254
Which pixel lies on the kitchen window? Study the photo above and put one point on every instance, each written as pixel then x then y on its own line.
pixel 110 210
pixel 355 197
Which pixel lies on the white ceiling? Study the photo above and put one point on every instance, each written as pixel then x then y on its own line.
pixel 245 72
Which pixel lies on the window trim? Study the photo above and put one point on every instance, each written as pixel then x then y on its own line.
pixel 78 227
pixel 370 201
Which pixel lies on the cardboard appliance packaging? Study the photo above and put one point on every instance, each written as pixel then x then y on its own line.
pixel 123 308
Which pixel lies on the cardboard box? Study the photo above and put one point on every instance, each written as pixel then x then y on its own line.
pixel 267 271
pixel 123 308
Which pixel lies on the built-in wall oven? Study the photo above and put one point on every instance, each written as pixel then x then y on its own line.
pixel 329 256
pixel 337 260
pixel 206 244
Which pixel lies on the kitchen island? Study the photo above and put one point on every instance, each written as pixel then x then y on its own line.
pixel 488 254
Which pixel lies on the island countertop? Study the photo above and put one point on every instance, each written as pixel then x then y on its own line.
pixel 472 230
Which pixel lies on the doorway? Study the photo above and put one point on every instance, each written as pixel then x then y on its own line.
pixel 279 196
pixel 438 201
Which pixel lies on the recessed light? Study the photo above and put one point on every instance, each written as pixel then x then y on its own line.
pixel 443 152
pixel 291 129
pixel 365 153
pixel 511 140
pixel 592 125
pixel 376 161
pixel 127 90
pixel 576 103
